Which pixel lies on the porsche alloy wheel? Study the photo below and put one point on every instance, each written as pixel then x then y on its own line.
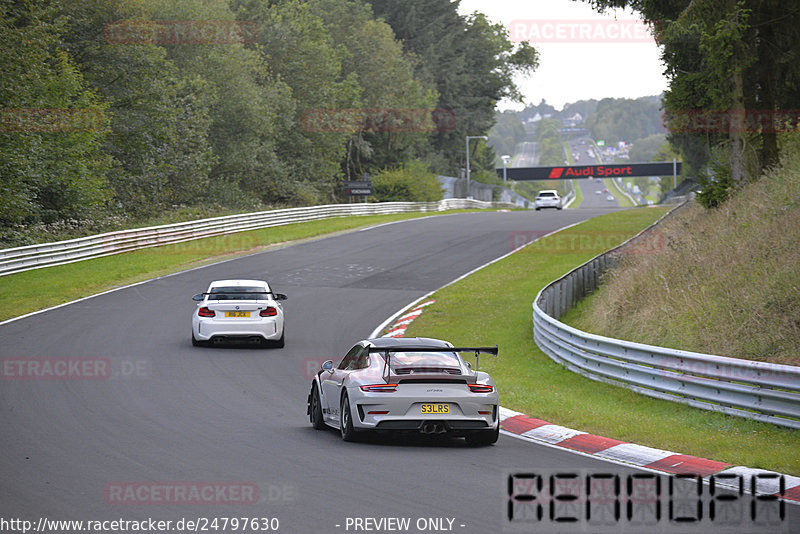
pixel 315 409
pixel 346 421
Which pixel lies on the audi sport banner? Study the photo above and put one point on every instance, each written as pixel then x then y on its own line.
pixel 585 171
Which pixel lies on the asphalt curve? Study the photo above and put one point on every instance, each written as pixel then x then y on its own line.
pixel 174 415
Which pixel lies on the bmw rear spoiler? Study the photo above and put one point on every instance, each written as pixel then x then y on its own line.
pixel 387 351
pixel 278 296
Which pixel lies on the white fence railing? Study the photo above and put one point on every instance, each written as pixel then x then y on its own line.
pixel 15 260
pixel 754 390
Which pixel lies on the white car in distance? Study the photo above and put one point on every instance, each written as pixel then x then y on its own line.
pixel 239 310
pixel 547 198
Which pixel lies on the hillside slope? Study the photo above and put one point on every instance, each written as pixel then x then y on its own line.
pixel 723 281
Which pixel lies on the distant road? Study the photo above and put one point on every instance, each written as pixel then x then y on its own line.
pixel 590 188
pixel 527 156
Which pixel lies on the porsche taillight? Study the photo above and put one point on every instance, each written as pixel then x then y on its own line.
pixel 268 312
pixel 205 312
pixel 379 388
pixel 481 388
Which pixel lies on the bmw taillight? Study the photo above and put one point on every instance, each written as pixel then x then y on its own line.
pixel 380 388
pixel 205 312
pixel 481 388
pixel 268 312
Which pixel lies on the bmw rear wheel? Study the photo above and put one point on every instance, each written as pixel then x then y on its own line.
pixel 282 341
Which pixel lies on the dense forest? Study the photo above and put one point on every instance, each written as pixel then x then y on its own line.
pixel 123 110
pixel 129 108
pixel 623 119
pixel 506 134
pixel 550 144
pixel 610 119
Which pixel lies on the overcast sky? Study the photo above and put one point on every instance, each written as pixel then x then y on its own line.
pixel 617 59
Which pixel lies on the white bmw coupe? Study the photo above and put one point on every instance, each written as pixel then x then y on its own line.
pixel 239 310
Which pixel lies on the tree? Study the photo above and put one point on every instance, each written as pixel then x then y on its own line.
pixel 51 123
pixel 648 148
pixel 299 53
pixel 158 132
pixel 470 61
pixel 623 119
pixel 550 147
pixel 388 86
pixel 724 60
pixel 246 106
pixel 506 134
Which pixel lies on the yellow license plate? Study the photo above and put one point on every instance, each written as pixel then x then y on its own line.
pixel 435 408
pixel 237 314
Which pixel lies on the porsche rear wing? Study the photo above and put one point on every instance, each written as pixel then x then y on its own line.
pixel 387 351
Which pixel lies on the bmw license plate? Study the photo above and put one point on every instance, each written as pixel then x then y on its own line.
pixel 435 408
pixel 237 314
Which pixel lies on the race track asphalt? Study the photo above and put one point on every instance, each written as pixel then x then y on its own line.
pixel 172 414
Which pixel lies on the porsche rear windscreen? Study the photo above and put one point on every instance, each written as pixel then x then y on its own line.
pixel 429 361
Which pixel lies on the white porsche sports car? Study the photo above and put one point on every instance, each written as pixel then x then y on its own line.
pixel 406 384
pixel 244 310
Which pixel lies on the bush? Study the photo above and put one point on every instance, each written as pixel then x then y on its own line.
pixel 715 184
pixel 412 182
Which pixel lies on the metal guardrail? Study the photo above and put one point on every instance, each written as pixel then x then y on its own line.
pixel 457 188
pixel 19 259
pixel 566 199
pixel 754 390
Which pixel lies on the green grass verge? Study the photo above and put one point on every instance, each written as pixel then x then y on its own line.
pixel 530 382
pixel 578 195
pixel 29 291
pixel 614 189
pixel 568 153
pixel 653 190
